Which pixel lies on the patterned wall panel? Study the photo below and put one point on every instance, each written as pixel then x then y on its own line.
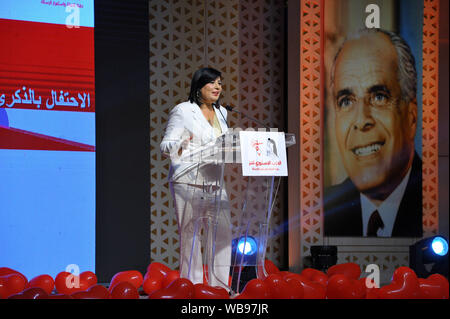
pixel 177 49
pixel 261 76
pixel 430 116
pixel 310 125
pixel 388 253
pixel 185 36
pixel 387 261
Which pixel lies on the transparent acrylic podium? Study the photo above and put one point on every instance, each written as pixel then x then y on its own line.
pixel 222 223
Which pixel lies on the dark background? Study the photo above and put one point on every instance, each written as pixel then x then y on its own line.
pixel 122 137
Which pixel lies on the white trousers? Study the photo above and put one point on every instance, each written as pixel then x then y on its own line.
pixel 196 208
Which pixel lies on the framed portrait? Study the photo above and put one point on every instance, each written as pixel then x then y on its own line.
pixel 372 108
pixel 343 91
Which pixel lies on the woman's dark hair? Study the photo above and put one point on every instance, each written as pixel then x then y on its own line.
pixel 200 79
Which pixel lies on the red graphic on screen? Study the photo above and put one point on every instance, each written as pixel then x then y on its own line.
pixel 12 138
pixel 46 67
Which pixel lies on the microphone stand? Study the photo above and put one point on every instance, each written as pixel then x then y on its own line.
pixel 231 109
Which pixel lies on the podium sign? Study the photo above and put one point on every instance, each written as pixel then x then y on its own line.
pixel 263 153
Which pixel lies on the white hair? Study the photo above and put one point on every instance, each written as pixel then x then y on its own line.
pixel 407 75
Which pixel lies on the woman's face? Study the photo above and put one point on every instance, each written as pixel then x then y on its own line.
pixel 211 91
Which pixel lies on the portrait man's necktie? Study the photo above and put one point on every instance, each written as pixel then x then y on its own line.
pixel 375 223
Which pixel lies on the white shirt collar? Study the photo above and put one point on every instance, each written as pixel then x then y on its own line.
pixel 388 209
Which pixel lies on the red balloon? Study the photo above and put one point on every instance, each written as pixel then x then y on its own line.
pixel 315 275
pixel 30 293
pixel 288 275
pixel 255 289
pixel 82 295
pixel 60 282
pixel 434 287
pixel 93 292
pixel 89 277
pixel 202 291
pixel 351 270
pixel 17 296
pixel 60 296
pixel 124 290
pixel 404 285
pixel 154 274
pixel 371 293
pixel 12 284
pixel 279 288
pixel 3 290
pixel 83 285
pixel 134 277
pixel 311 289
pixel 152 282
pixel 170 277
pixel 295 289
pixel 35 293
pixel 342 287
pixel 67 283
pixel 45 282
pixel 7 271
pixel 284 273
pixel 99 291
pixel 158 268
pixel 180 288
pixel 270 267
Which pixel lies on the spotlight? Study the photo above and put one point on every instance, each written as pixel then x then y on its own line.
pixel 429 256
pixel 439 246
pixel 247 246
pixel 244 251
pixel 323 257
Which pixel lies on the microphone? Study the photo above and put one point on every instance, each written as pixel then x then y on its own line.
pixel 217 106
pixel 231 109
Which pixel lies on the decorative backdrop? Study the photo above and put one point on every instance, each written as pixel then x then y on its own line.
pixel 243 39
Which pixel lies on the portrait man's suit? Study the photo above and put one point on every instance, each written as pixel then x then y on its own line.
pixel 343 215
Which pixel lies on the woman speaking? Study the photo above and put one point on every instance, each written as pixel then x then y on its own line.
pixel 195 186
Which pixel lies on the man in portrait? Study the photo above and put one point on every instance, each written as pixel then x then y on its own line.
pixel 373 84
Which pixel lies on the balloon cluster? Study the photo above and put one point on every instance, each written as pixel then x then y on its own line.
pixel 342 281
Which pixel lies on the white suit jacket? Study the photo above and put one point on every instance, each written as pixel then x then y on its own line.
pixel 186 120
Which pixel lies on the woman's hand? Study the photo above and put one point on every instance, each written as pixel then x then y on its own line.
pixel 185 144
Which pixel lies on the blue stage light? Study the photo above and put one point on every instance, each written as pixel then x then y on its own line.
pixel 439 246
pixel 430 251
pixel 247 246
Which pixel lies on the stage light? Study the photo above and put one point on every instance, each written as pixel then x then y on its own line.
pixel 244 251
pixel 247 245
pixel 439 246
pixel 429 256
pixel 323 257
